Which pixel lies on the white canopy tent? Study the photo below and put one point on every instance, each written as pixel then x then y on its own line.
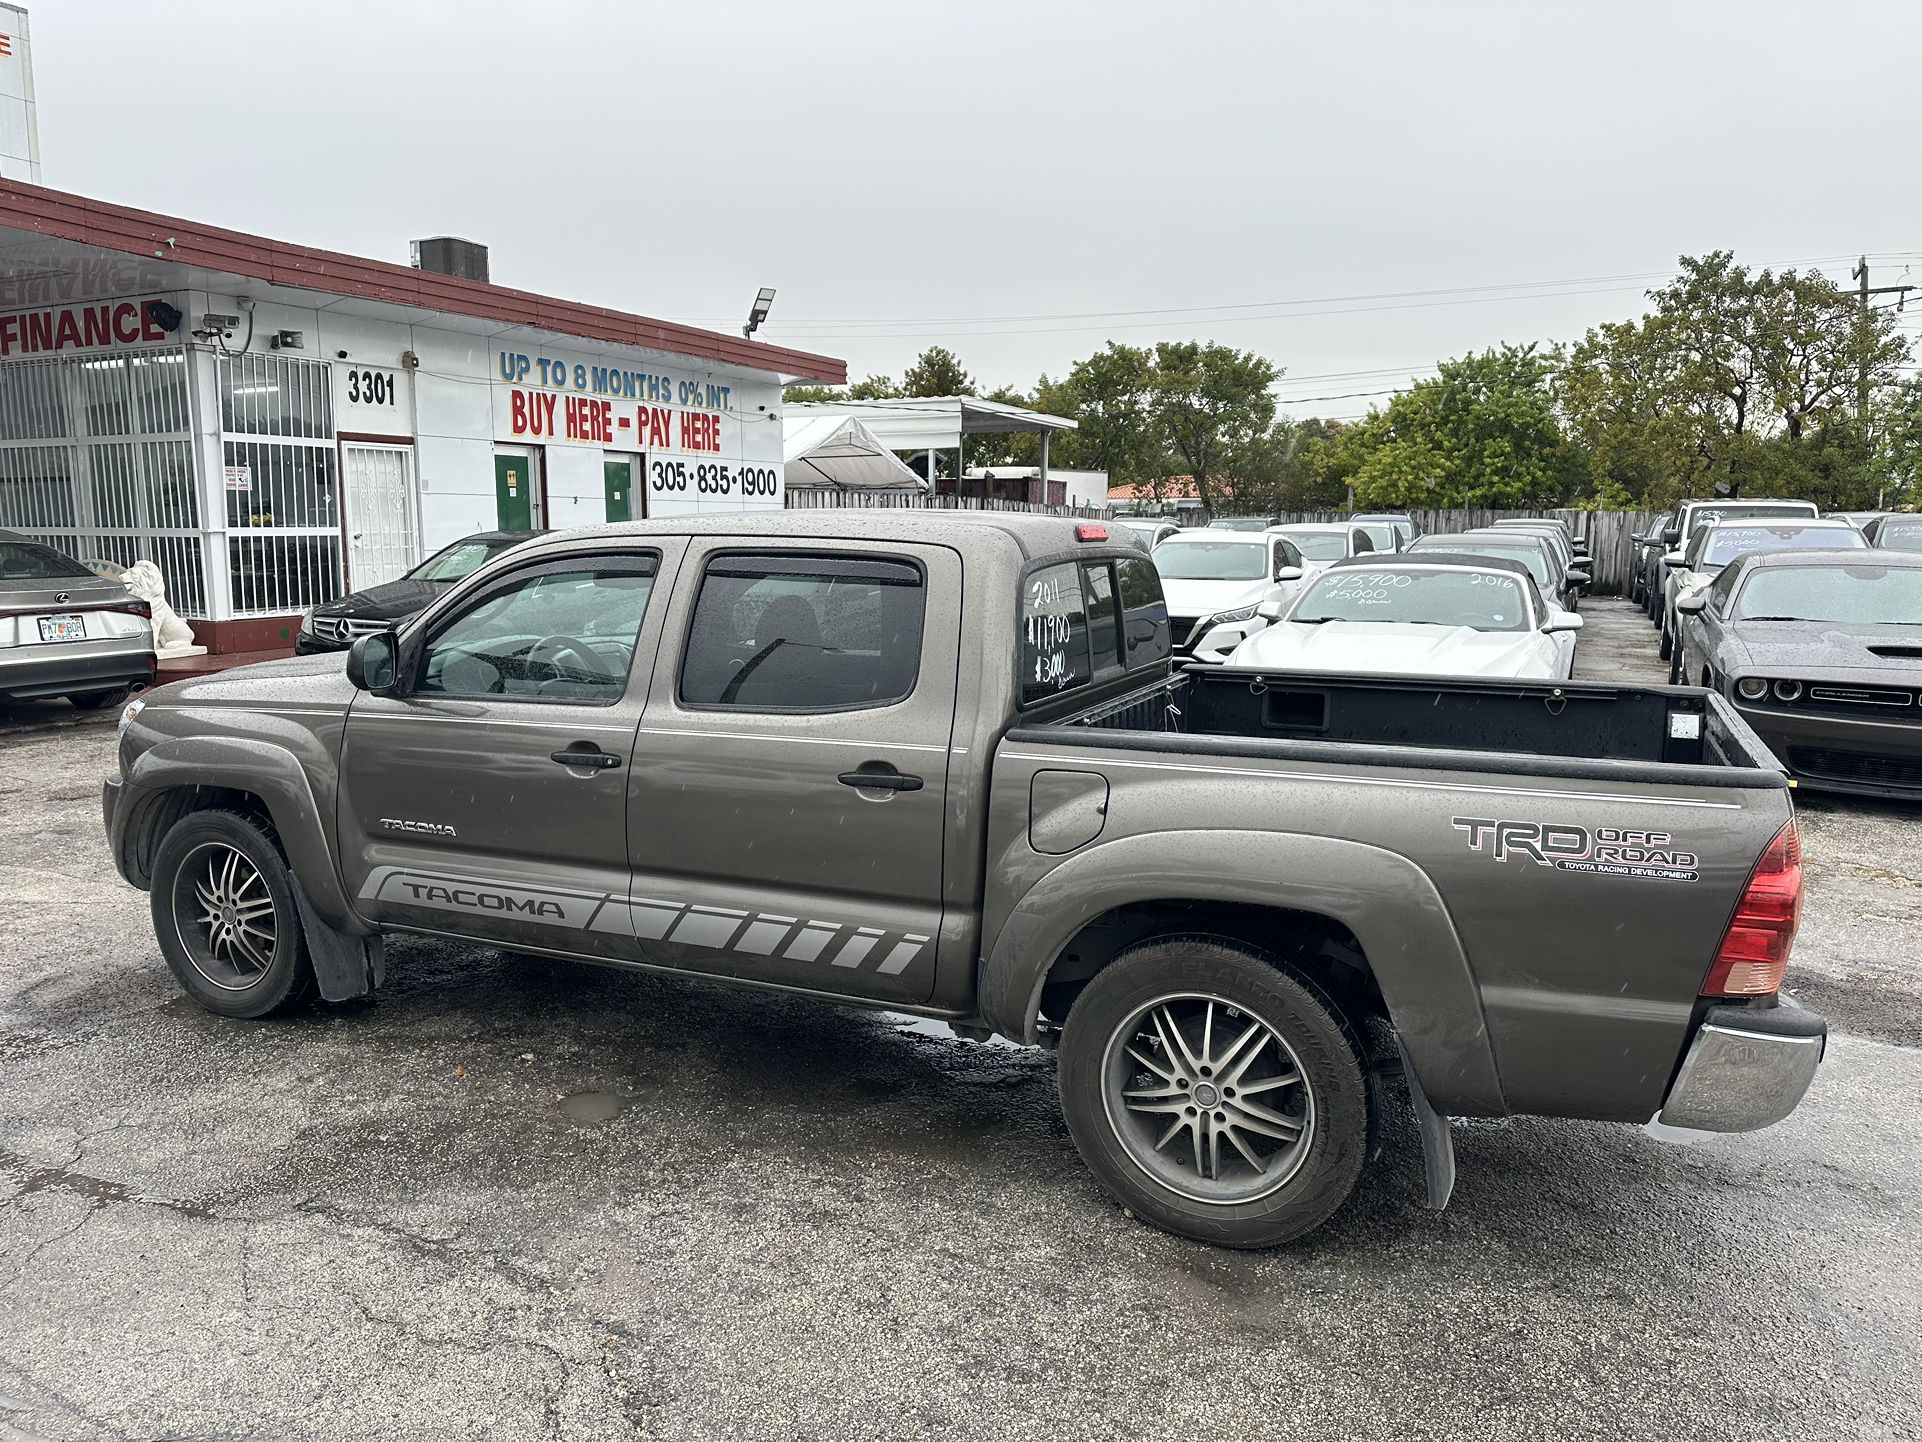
pixel 935 423
pixel 828 452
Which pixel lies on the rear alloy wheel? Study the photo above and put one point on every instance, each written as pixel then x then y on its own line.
pixel 1217 1093
pixel 224 915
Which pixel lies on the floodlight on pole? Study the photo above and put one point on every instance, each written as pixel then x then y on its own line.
pixel 763 303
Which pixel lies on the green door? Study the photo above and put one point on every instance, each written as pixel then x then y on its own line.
pixel 620 490
pixel 514 493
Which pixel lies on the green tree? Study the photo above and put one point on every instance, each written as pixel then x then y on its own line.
pixel 1484 432
pixel 938 372
pixel 1212 405
pixel 1724 385
pixel 1110 397
pixel 872 388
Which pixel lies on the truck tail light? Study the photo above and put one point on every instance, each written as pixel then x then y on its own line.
pixel 1755 952
pixel 1088 532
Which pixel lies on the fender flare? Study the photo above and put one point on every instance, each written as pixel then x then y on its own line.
pixel 274 774
pixel 1385 899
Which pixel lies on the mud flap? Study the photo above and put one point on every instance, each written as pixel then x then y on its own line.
pixel 1437 1143
pixel 344 966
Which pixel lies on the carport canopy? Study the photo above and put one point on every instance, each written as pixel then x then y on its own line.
pixel 936 423
pixel 840 453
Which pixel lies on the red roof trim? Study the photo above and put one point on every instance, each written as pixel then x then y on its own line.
pixel 143 233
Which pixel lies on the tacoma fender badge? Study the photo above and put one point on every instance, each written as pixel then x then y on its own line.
pixel 419 828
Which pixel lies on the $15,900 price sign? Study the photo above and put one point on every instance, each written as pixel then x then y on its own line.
pixel 712 478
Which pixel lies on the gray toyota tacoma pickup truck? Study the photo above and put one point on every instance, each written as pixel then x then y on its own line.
pixel 940 763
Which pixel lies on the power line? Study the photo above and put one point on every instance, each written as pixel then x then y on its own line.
pixel 834 329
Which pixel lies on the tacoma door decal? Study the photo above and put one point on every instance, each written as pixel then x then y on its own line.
pixel 714 928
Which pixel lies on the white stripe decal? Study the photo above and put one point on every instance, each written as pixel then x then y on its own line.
pixel 812 940
pixel 1336 779
pixel 896 961
pixel 707 926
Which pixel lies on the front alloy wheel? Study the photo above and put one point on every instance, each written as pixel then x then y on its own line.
pixel 225 916
pixel 228 924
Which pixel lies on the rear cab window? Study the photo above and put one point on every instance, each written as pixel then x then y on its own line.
pixel 1084 622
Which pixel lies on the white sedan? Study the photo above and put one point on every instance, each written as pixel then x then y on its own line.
pixel 1426 614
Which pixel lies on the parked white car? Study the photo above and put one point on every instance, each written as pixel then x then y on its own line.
pixel 1322 543
pixel 1427 614
pixel 1216 580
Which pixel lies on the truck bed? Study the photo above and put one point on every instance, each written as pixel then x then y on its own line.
pixel 1561 859
pixel 1575 729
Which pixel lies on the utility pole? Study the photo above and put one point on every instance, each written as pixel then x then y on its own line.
pixel 1864 290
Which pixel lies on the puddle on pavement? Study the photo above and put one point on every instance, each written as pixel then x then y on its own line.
pixel 928 1026
pixel 594 1109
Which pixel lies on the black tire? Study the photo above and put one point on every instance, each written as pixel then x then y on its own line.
pixel 263 967
pixel 1240 1206
pixel 1677 666
pixel 95 700
pixel 1668 645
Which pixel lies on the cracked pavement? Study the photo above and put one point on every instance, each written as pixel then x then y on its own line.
pixel 513 1198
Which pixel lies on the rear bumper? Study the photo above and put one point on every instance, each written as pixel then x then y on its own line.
pixel 29 672
pixel 1747 1068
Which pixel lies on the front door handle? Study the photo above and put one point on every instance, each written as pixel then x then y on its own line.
pixel 588 755
pixel 879 776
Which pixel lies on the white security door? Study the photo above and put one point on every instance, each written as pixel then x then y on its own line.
pixel 383 534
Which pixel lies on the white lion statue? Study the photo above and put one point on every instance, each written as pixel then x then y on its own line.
pixel 171 635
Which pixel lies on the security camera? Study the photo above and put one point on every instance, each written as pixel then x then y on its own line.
pixel 211 321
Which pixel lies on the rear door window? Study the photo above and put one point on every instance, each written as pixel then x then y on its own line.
pixel 804 633
pixel 1083 621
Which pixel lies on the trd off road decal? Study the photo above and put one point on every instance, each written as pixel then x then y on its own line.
pixel 1605 851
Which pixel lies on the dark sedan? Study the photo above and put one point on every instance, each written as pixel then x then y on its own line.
pixel 1821 652
pixel 333 625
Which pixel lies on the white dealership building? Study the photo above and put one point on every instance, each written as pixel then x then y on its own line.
pixel 273 424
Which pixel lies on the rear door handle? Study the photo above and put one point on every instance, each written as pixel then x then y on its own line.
pixel 589 756
pixel 879 780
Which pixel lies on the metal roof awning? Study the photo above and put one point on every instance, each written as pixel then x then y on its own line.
pixel 840 453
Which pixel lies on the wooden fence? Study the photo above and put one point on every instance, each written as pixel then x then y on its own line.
pixel 810 500
pixel 1607 532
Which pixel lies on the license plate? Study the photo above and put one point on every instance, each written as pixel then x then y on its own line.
pixel 63 628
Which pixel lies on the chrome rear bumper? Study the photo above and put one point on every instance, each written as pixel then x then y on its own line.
pixel 1747 1068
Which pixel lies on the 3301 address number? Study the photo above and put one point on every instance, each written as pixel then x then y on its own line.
pixel 713 479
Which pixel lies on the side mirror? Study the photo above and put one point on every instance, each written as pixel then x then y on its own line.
pixel 1692 604
pixel 373 663
pixel 1271 610
pixel 1563 621
pixel 1288 573
pixel 1578 578
pixel 1674 558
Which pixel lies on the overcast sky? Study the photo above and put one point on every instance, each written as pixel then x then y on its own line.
pixel 1024 181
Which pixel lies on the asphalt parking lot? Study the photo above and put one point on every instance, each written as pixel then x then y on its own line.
pixel 510 1198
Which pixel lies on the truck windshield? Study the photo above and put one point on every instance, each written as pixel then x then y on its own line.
pixel 1858 593
pixel 1723 544
pixel 1211 560
pixel 1484 600
pixel 1735 511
